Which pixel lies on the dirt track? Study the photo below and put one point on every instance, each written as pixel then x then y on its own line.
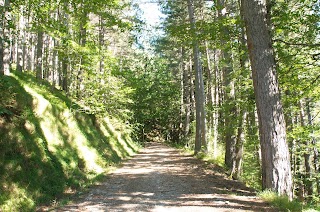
pixel 161 179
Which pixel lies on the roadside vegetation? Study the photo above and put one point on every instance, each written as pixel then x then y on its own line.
pixel 49 149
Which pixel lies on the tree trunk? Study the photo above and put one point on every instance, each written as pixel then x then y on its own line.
pixel 2 20
pixel 5 37
pixel 216 97
pixel 315 149
pixel 64 82
pixel 182 93
pixel 230 111
pixel 83 58
pixel 210 102
pixel 39 70
pixel 55 61
pixel 192 90
pixel 200 139
pixel 20 40
pixel 306 154
pixel 276 169
pixel 101 44
pixel 237 163
pixel 187 99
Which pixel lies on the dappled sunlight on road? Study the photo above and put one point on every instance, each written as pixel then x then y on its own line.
pixel 161 179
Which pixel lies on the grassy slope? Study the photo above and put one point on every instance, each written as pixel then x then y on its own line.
pixel 47 147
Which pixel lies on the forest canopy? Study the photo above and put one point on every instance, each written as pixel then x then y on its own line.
pixel 237 80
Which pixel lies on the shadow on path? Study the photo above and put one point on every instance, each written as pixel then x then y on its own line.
pixel 160 179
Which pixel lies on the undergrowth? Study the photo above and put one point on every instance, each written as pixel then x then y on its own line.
pixel 48 148
pixel 284 204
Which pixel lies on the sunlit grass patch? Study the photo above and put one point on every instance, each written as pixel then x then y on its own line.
pixel 16 199
pixel 281 202
pixel 48 149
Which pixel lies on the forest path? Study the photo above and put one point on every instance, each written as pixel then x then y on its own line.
pixel 159 178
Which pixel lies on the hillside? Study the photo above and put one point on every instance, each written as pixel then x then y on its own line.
pixel 48 147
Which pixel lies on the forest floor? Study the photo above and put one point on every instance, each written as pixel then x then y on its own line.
pixel 160 178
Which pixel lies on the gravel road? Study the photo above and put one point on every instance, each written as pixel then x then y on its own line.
pixel 159 178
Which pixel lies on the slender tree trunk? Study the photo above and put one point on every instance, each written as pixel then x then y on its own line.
pixel 83 58
pixel 187 99
pixel 199 86
pixel 230 111
pixel 55 63
pixel 315 150
pixel 210 99
pixel 2 39
pixel 216 104
pixel 192 90
pixel 25 40
pixel 64 74
pixel 39 71
pixel 5 37
pixel 65 77
pixel 20 40
pixel 186 96
pixel 276 169
pixel 237 164
pixel 101 44
pixel 182 107
pixel 307 155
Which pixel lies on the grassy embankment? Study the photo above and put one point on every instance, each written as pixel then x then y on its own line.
pixel 48 148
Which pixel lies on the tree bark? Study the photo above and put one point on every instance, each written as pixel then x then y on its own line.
pixel 315 149
pixel 186 98
pixel 216 96
pixel 5 38
pixel 230 111
pixel 39 70
pixel 307 156
pixel 276 169
pixel 200 139
pixel 210 100
pixel 20 40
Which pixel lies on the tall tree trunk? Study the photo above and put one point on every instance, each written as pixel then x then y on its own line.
pixel 200 139
pixel 276 169
pixel 192 89
pixel 230 111
pixel 182 107
pixel 306 154
pixel 216 103
pixel 237 163
pixel 210 101
pixel 2 39
pixel 55 63
pixel 5 37
pixel 101 44
pixel 20 40
pixel 315 149
pixel 64 74
pixel 83 58
pixel 65 77
pixel 187 99
pixel 39 58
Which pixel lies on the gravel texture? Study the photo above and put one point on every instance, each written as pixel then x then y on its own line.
pixel 160 178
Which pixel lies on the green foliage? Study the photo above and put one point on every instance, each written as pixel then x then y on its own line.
pixel 251 174
pixel 46 147
pixel 281 202
pixel 156 98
